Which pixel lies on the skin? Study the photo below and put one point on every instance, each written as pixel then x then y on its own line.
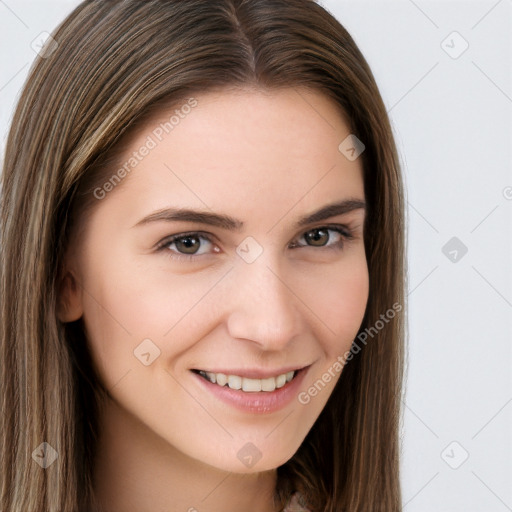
pixel 267 159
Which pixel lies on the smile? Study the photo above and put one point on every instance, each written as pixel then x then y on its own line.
pixel 249 394
pixel 237 382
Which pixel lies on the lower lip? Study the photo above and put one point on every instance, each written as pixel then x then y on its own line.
pixel 261 402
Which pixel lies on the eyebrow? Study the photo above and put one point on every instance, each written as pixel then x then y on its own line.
pixel 231 224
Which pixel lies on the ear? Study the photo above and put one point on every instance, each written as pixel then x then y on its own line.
pixel 69 298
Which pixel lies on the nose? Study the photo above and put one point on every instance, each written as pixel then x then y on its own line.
pixel 263 307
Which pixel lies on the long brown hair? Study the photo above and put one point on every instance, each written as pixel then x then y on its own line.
pixel 117 62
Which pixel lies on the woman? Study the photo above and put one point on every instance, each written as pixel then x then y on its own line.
pixel 202 266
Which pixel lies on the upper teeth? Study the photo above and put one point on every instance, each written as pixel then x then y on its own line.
pixel 251 385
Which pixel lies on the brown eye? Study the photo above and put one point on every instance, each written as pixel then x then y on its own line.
pixel 188 244
pixel 317 237
pixel 320 237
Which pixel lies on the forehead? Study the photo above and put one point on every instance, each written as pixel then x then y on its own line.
pixel 259 151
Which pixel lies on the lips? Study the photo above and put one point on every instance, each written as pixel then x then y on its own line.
pixel 253 399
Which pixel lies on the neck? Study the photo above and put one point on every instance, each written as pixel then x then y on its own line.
pixel 137 470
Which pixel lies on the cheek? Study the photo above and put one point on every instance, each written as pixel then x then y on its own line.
pixel 350 299
pixel 338 298
pixel 126 303
pixel 340 304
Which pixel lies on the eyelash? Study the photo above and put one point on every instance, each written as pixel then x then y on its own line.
pixel 163 246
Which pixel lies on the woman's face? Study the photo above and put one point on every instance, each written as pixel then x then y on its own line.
pixel 250 290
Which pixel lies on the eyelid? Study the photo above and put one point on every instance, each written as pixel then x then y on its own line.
pixel 172 238
pixel 176 256
pixel 346 232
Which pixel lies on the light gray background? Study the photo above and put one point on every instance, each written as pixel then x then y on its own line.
pixel 451 113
